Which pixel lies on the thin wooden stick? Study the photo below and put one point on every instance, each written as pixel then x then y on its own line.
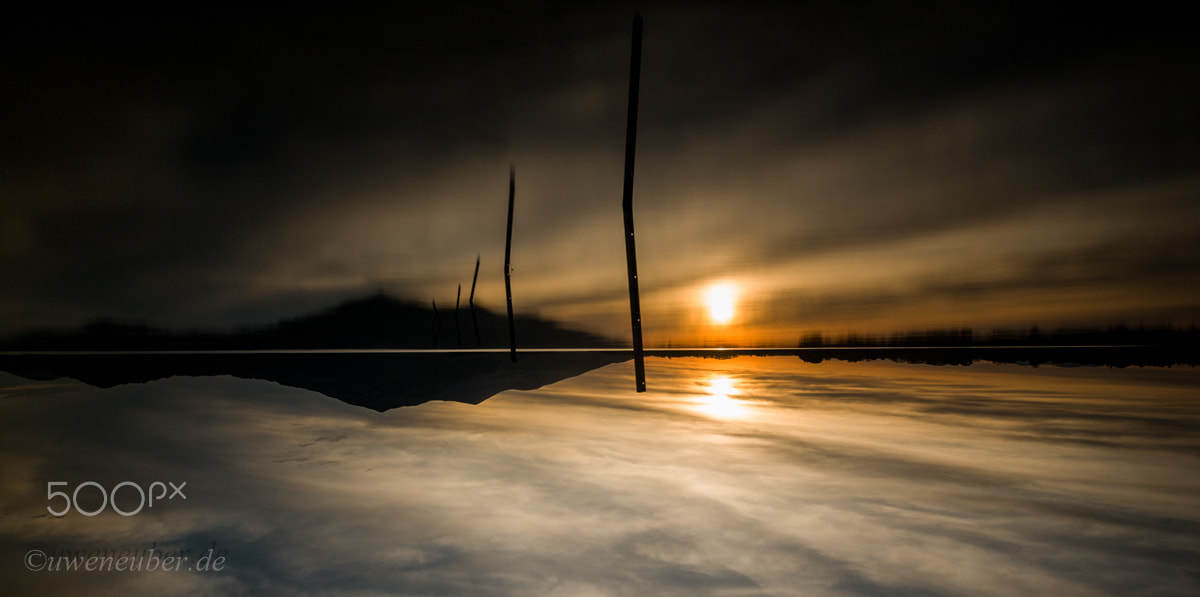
pixel 471 302
pixel 512 328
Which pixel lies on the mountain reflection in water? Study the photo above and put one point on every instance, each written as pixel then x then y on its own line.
pixel 747 476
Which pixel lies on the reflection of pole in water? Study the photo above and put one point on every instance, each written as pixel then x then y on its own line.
pixel 512 333
pixel 471 302
pixel 635 308
pixel 457 328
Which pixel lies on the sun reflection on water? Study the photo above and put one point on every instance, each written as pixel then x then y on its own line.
pixel 719 403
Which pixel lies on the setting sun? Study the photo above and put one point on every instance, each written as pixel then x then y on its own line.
pixel 721 300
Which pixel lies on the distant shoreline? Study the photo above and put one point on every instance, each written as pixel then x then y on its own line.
pixel 1079 354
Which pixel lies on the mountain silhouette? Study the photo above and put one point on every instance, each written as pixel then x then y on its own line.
pixel 377 321
pixel 98 354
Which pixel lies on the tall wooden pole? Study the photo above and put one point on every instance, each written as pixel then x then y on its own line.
pixel 635 308
pixel 512 328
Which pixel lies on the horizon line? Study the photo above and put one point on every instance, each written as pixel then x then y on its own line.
pixel 734 349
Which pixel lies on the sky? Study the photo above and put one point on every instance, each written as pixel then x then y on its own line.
pixel 877 167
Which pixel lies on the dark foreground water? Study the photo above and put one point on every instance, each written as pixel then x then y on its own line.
pixel 743 476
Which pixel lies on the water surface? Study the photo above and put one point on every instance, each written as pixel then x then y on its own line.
pixel 740 476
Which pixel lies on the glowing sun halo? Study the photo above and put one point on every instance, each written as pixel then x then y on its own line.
pixel 721 300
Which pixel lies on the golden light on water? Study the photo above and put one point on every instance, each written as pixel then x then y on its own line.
pixel 719 403
pixel 721 300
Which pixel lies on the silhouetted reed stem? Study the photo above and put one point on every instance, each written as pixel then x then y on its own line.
pixel 512 333
pixel 471 302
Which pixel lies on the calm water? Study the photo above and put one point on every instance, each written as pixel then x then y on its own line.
pixel 744 476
